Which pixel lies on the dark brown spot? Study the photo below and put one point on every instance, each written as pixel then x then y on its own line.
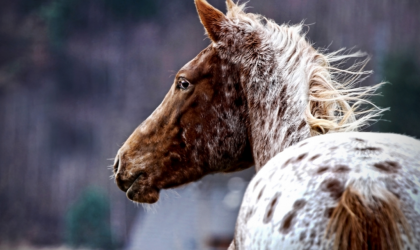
pixel 369 149
pixel 341 169
pixel 300 157
pixel 288 221
pixel 388 166
pixel 282 97
pixel 248 215
pixel 314 157
pixel 415 191
pixel 303 144
pixel 359 140
pixel 270 209
pixel 299 204
pixel 286 163
pixel 333 148
pixel 256 183
pixel 334 187
pixel 262 123
pixel 260 194
pixel 301 125
pixel 321 170
pixel 286 224
pixel 282 110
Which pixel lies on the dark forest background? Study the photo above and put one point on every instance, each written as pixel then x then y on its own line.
pixel 77 76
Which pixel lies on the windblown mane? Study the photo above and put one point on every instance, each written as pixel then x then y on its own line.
pixel 335 104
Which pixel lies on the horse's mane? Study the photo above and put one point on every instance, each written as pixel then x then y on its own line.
pixel 335 104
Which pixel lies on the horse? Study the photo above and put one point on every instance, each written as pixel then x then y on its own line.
pixel 261 95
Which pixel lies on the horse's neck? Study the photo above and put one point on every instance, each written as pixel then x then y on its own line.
pixel 275 128
pixel 277 107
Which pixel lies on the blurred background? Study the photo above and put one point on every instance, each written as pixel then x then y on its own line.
pixel 78 76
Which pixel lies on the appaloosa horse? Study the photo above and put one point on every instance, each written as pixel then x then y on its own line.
pixel 261 95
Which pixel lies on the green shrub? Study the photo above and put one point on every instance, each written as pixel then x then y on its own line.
pixel 87 222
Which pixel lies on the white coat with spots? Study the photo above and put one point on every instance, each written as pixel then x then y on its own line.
pixel 290 201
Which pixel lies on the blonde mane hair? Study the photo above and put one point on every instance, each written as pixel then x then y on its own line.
pixel 335 104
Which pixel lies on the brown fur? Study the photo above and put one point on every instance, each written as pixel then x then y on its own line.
pixel 174 146
pixel 360 224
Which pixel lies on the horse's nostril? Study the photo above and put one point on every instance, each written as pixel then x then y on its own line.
pixel 116 166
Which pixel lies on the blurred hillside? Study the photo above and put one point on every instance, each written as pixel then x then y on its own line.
pixel 77 77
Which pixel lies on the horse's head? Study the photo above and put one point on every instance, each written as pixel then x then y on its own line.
pixel 256 90
pixel 199 128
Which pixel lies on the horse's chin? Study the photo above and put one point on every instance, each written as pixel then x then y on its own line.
pixel 143 194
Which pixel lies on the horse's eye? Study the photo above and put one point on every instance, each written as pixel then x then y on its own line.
pixel 183 84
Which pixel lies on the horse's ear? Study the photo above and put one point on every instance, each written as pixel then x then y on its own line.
pixel 230 4
pixel 211 18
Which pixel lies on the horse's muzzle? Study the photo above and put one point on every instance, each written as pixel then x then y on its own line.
pixel 123 178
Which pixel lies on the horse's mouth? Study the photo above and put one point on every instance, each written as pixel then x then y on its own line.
pixel 141 193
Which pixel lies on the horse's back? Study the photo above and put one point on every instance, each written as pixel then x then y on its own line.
pixel 291 200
